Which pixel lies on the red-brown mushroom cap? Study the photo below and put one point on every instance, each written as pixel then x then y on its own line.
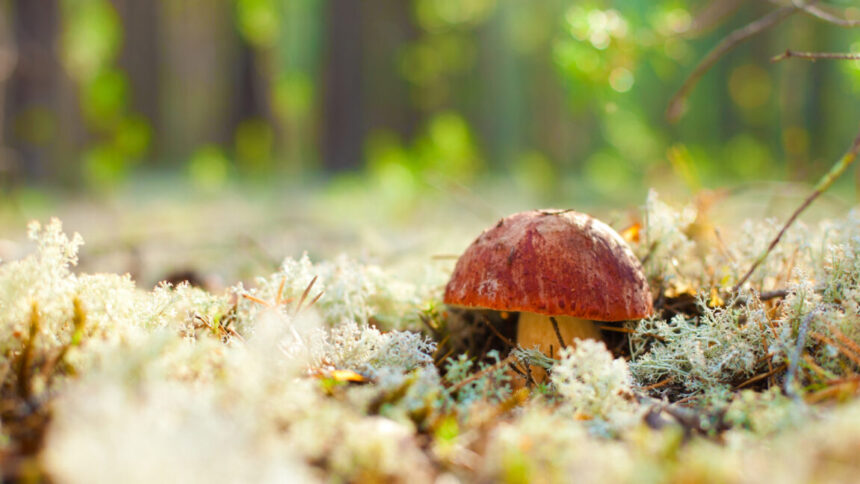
pixel 551 262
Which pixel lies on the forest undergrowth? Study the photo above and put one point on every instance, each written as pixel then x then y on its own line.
pixel 338 371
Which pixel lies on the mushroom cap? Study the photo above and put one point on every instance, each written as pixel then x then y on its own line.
pixel 552 262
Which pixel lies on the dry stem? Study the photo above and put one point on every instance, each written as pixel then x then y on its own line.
pixel 813 56
pixel 761 377
pixel 828 17
pixel 842 349
pixel 822 186
pixel 675 109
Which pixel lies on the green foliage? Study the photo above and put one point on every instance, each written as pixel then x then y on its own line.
pixel 254 141
pixel 209 168
pixel 91 42
pixel 258 21
pixel 564 97
pixel 92 37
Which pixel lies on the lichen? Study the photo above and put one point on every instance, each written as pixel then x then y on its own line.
pixel 723 346
pixel 595 386
pixel 180 384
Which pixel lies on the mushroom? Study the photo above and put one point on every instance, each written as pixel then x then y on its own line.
pixel 551 264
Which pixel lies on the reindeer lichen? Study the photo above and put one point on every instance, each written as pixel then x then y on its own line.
pixel 179 383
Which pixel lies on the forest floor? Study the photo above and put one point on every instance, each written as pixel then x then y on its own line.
pixel 312 344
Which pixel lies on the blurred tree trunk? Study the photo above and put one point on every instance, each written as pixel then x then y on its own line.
pixel 295 85
pixel 343 114
pixel 553 131
pixel 197 54
pixel 502 102
pixel 8 59
pixel 140 57
pixel 408 118
pixel 388 26
pixel 795 94
pixel 31 96
pixel 248 100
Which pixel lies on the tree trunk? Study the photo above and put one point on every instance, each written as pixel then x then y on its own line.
pixel 31 96
pixel 140 58
pixel 343 119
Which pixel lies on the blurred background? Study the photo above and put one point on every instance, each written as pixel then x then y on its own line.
pixel 552 102
pixel 95 90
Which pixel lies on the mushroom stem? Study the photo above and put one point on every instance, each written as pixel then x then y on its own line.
pixel 535 330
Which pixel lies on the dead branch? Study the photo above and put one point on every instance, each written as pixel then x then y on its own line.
pixel 842 349
pixel 761 377
pixel 814 56
pixel 828 17
pixel 822 186
pixel 675 109
pixel 711 15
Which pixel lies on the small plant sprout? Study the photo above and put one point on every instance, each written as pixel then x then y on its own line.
pixel 280 300
pixel 560 269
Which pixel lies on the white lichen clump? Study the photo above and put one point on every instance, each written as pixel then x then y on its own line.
pixel 594 384
pixel 721 347
pixel 543 446
pixel 179 385
pixel 163 432
pixel 351 291
pixel 729 342
pixel 667 243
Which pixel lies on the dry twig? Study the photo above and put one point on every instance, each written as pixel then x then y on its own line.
pixel 711 15
pixel 802 330
pixel 761 377
pixel 837 390
pixel 826 16
pixel 659 384
pixel 814 56
pixel 728 43
pixel 822 186
pixel 842 349
pixel 848 342
pixel 25 384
